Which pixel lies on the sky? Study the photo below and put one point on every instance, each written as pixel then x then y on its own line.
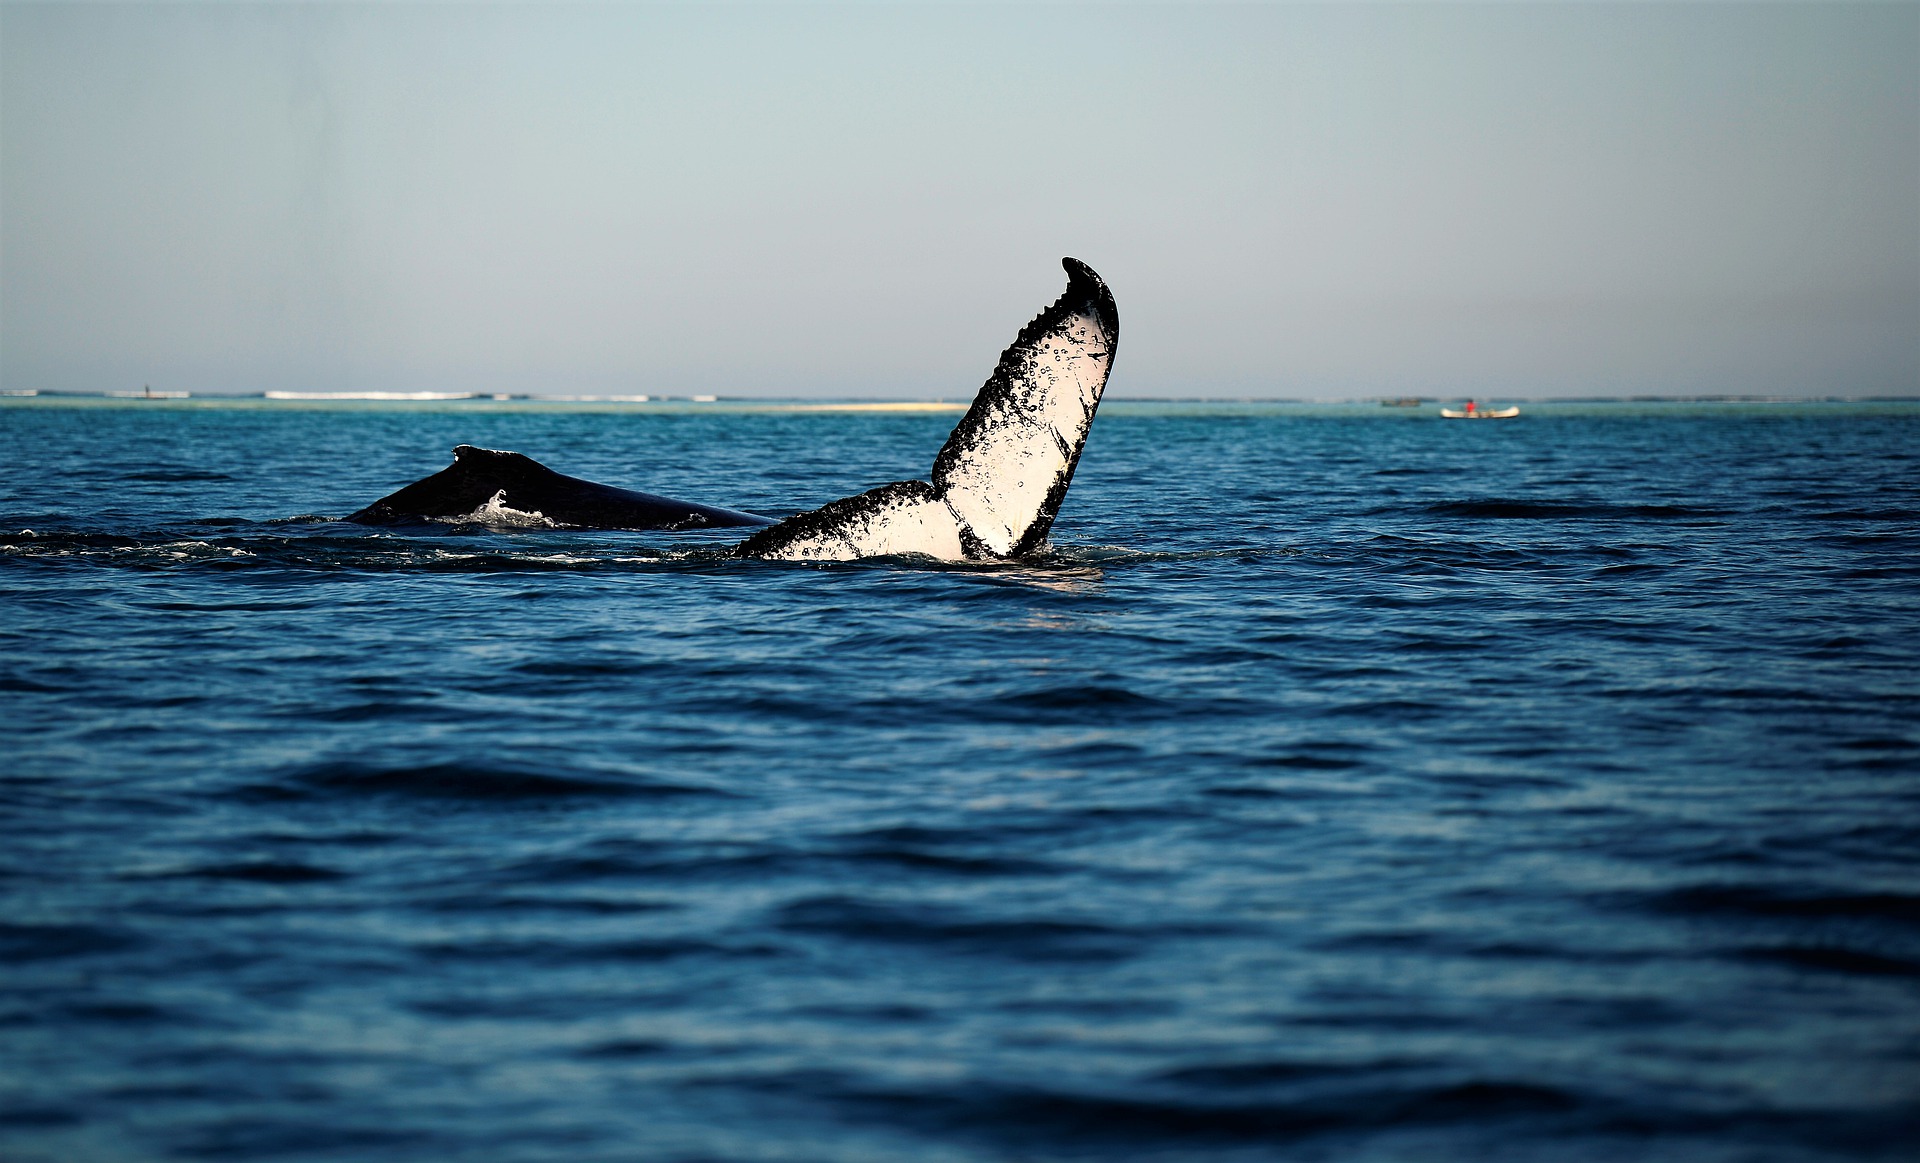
pixel 1296 200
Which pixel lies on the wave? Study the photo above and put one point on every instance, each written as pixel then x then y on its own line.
pixel 263 872
pixel 1248 1104
pixel 1504 509
pixel 31 942
pixel 562 950
pixel 1833 958
pixel 460 781
pixel 512 541
pixel 1770 901
pixel 175 476
pixel 500 539
pixel 952 932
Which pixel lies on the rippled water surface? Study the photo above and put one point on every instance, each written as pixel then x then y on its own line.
pixel 1347 784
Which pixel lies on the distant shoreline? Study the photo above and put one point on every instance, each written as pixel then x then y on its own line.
pixel 867 404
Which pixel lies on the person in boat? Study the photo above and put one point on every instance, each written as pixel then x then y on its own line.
pixel 1469 407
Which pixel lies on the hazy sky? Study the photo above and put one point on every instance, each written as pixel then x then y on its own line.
pixel 1294 200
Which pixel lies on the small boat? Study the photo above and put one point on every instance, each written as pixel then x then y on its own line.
pixel 1472 413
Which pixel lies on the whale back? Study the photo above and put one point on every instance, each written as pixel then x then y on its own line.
pixel 489 487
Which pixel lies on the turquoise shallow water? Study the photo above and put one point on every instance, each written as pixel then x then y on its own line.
pixel 1347 784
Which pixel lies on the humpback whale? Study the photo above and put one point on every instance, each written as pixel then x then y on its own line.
pixel 996 487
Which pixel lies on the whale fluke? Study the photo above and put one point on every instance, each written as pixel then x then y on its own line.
pixel 484 485
pixel 999 480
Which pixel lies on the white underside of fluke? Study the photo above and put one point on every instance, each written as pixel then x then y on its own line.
pixel 1001 479
pixel 890 527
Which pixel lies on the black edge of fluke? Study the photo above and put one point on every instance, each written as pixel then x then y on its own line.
pixel 1094 294
pixel 1082 278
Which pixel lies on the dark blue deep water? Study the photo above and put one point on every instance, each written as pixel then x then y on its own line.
pixel 1347 785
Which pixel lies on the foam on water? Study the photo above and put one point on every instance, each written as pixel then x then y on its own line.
pixel 500 515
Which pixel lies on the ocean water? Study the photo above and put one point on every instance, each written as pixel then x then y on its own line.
pixel 1347 784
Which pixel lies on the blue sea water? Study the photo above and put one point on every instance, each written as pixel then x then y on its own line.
pixel 1347 784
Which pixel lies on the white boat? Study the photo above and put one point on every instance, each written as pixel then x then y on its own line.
pixel 1481 414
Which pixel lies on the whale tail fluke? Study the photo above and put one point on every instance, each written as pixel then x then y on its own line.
pixel 999 480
